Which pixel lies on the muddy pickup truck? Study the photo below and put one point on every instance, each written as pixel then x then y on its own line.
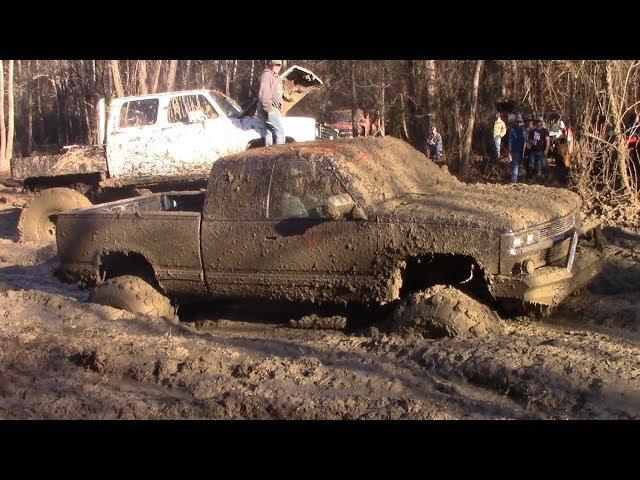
pixel 162 141
pixel 363 220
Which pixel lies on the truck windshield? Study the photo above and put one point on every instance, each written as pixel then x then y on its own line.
pixel 229 106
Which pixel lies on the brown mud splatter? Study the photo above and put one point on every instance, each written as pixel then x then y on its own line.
pixel 61 357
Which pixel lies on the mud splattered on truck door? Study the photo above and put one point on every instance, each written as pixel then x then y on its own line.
pixel 293 240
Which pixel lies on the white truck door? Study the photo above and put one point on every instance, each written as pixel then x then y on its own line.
pixel 195 135
pixel 133 129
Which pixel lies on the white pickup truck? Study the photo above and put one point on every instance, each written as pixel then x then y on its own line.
pixel 163 141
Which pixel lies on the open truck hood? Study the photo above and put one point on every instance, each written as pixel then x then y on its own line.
pixel 297 83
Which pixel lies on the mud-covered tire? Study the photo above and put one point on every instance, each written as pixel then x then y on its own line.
pixel 37 220
pixel 133 294
pixel 443 311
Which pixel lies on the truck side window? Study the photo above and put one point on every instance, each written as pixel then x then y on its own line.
pixel 300 189
pixel 179 107
pixel 235 187
pixel 138 113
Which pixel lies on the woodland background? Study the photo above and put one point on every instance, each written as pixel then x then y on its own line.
pixel 48 104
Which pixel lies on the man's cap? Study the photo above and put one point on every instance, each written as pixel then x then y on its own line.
pixel 537 118
pixel 275 62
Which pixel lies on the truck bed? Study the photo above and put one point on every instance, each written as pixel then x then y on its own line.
pixel 76 161
pixel 163 228
pixel 191 201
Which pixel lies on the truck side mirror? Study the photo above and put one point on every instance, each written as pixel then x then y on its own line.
pixel 196 116
pixel 338 205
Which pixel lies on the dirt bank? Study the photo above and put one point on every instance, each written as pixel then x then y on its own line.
pixel 63 358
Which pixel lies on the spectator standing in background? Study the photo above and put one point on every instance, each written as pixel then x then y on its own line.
pixel 516 141
pixel 539 143
pixel 499 131
pixel 434 145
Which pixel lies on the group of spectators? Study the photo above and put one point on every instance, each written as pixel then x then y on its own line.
pixel 528 141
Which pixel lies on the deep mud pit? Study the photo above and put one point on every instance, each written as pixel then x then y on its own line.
pixel 63 358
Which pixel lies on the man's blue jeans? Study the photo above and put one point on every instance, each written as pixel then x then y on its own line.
pixel 497 141
pixel 537 156
pixel 516 161
pixel 273 128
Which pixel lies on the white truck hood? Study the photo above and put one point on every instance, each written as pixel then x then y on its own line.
pixel 297 83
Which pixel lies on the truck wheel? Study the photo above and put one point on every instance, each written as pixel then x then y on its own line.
pixel 132 293
pixel 38 217
pixel 444 311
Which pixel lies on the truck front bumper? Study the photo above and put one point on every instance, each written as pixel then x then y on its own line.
pixel 549 285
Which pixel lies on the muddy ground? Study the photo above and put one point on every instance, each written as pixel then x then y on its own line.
pixel 63 358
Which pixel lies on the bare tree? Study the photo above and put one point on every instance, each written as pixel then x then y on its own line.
pixel 117 78
pixel 29 124
pixel 143 85
pixel 465 152
pixel 10 113
pixel 354 100
pixel 171 75
pixel 155 76
pixel 4 164
pixel 616 104
pixel 431 92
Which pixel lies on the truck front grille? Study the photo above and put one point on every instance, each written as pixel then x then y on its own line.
pixel 557 226
pixel 553 254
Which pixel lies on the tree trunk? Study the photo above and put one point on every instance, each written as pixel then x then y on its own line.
pixel 29 126
pixel 185 76
pixel 403 115
pixel 417 135
pixel 621 143
pixel 155 76
pixel 143 85
pixel 117 78
pixel 171 75
pixel 10 113
pixel 81 98
pixel 431 89
pixel 381 118
pixel 41 134
pixel 60 111
pixel 465 157
pixel 354 99
pixel 4 164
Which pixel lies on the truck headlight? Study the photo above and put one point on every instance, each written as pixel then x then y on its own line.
pixel 523 240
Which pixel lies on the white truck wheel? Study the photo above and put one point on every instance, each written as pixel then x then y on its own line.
pixel 37 220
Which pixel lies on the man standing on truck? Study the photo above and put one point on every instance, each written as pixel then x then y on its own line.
pixel 270 103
